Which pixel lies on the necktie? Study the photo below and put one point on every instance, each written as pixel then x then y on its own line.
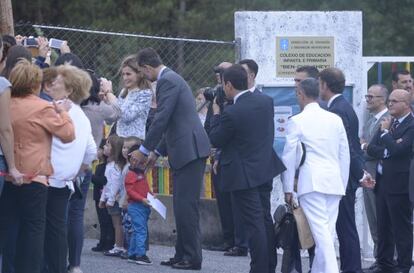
pixel 394 125
pixel 371 125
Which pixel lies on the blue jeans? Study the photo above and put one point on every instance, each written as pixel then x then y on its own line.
pixel 3 168
pixel 139 215
pixel 75 223
pixel 127 227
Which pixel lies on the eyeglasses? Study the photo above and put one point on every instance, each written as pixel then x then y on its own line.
pixel 394 101
pixel 370 97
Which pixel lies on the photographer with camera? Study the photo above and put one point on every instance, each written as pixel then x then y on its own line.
pixel 247 161
pixel 235 243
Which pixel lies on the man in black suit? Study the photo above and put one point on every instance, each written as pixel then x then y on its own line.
pixel 265 190
pixel 392 145
pixel 244 132
pixel 177 132
pixel 235 243
pixel 331 85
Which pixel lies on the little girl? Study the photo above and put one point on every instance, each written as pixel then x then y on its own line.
pixel 111 191
pixel 107 233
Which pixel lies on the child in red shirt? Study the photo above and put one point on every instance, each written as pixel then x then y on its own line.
pixel 136 187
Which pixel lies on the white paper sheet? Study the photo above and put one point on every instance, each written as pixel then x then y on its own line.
pixel 157 205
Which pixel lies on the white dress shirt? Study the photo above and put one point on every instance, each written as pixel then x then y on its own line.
pixel 332 98
pixel 239 94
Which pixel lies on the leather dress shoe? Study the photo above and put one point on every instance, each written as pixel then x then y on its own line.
pixel 224 247
pixel 186 265
pixel 371 268
pixel 236 252
pixel 169 262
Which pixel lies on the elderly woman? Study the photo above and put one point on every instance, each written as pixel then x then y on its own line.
pixel 34 123
pixel 98 112
pixel 71 86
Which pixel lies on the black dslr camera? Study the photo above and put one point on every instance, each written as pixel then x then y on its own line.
pixel 211 93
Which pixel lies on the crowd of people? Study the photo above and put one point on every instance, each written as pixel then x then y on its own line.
pixel 52 118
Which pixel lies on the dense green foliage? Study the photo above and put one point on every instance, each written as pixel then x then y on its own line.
pixel 388 25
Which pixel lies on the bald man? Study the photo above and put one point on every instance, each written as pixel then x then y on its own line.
pixel 392 146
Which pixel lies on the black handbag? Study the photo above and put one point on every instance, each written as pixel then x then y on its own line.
pixel 285 226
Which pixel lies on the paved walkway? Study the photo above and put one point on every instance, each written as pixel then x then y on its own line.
pixel 213 262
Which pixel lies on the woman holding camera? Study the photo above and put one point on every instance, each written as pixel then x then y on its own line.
pixel 34 123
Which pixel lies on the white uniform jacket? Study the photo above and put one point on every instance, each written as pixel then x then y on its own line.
pixel 326 165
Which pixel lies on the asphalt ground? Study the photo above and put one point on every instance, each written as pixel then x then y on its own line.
pixel 213 262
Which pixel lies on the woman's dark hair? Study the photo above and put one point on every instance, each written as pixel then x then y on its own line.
pixel 71 59
pixel 94 92
pixel 102 144
pixel 15 54
pixel 7 41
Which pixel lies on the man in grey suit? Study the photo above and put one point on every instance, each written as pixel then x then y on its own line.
pixel 177 132
pixel 376 99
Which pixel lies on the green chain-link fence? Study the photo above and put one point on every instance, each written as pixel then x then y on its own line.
pixel 103 51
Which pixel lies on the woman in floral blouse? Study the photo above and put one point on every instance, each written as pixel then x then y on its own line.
pixel 134 100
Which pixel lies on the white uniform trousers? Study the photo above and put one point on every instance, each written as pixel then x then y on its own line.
pixel 321 210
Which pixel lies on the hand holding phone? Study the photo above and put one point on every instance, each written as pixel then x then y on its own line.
pixel 30 42
pixel 55 43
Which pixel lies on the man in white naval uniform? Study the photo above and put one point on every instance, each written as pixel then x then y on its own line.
pixel 323 177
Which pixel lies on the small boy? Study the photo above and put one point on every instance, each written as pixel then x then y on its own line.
pixel 123 202
pixel 137 188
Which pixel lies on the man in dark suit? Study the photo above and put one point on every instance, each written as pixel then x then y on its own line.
pixel 244 132
pixel 392 145
pixel 331 85
pixel 235 242
pixel 265 190
pixel 177 132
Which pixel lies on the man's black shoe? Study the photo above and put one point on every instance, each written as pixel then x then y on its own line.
pixel 98 248
pixel 186 265
pixel 371 267
pixel 236 252
pixel 169 262
pixel 223 247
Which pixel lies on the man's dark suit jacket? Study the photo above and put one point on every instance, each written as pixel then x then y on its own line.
pixel 176 130
pixel 245 132
pixel 395 167
pixel 344 110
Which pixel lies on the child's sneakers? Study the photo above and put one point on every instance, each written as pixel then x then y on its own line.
pixel 124 255
pixel 115 252
pixel 144 260
pixel 132 259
